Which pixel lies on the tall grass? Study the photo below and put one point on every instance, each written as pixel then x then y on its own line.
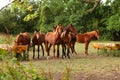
pixel 14 70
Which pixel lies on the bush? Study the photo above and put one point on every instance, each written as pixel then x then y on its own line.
pixel 13 70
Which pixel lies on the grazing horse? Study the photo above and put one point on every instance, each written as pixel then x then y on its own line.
pixel 37 39
pixel 53 38
pixel 23 39
pixel 68 37
pixel 86 38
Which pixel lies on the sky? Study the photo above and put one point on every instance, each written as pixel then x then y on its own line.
pixel 5 2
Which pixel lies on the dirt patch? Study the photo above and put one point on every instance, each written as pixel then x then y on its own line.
pixel 112 75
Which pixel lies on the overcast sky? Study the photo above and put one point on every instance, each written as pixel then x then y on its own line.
pixel 5 2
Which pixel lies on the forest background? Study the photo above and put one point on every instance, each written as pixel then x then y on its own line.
pixel 85 15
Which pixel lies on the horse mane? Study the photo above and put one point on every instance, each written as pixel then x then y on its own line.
pixel 97 31
pixel 54 28
pixel 37 30
pixel 19 38
pixel 66 28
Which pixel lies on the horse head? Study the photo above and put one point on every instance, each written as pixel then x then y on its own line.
pixel 70 28
pixel 37 30
pixel 37 33
pixel 59 29
pixel 54 28
pixel 97 34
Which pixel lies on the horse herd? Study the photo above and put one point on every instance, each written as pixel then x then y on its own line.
pixel 66 38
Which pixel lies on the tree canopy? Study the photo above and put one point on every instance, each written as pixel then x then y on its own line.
pixel 85 15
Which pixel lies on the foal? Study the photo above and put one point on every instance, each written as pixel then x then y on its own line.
pixel 37 39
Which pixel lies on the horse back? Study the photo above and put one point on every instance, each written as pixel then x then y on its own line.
pixel 43 37
pixel 23 39
pixel 66 37
pixel 39 40
pixel 51 38
pixel 81 38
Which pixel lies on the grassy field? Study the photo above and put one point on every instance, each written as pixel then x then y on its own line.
pixel 80 66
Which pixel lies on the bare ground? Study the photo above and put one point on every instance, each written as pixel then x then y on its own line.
pixel 112 75
pixel 85 75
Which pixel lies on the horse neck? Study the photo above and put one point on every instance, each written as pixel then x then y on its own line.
pixel 56 34
pixel 91 34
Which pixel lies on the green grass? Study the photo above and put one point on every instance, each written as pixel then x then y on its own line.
pixel 93 63
pixel 80 62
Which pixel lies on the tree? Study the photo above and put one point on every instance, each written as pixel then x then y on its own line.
pixel 113 24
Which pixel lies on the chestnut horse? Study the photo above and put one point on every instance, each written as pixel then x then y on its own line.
pixel 37 39
pixel 68 37
pixel 53 38
pixel 23 39
pixel 86 38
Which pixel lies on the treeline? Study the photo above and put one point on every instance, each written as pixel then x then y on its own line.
pixel 85 15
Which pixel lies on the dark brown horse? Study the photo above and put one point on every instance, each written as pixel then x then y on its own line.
pixel 37 39
pixel 86 38
pixel 23 39
pixel 68 37
pixel 53 38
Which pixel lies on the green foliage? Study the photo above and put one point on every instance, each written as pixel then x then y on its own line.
pixel 14 70
pixel 114 23
pixel 31 16
pixel 27 15
pixel 2 54
pixel 109 52
pixel 67 72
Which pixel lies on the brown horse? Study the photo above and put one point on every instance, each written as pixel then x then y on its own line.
pixel 68 39
pixel 23 39
pixel 86 38
pixel 53 38
pixel 37 39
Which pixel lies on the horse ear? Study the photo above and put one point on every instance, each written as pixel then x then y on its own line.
pixel 15 41
pixel 71 24
pixel 53 27
pixel 20 33
pixel 60 24
pixel 37 30
pixel 97 31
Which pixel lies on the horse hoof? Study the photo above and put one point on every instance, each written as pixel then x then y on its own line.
pixel 75 53
pixel 48 57
pixel 86 54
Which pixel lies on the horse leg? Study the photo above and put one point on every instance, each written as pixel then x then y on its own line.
pixel 58 54
pixel 48 51
pixel 33 51
pixel 46 46
pixel 27 55
pixel 24 55
pixel 73 48
pixel 38 51
pixel 63 51
pixel 68 51
pixel 86 48
pixel 54 51
pixel 42 49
